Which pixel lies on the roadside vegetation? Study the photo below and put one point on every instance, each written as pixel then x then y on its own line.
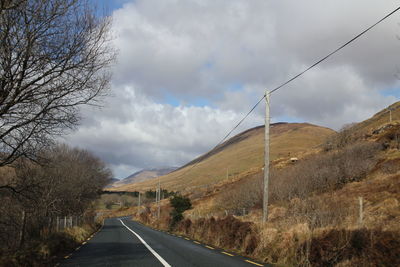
pixel 179 205
pixel 338 206
pixel 39 195
pixel 55 58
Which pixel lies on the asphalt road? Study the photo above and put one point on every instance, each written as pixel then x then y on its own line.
pixel 123 242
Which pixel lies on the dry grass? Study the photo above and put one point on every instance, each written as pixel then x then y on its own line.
pixel 320 230
pixel 236 158
pixel 321 226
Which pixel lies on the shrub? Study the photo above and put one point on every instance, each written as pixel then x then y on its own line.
pixel 229 233
pixel 243 195
pixel 316 174
pixel 324 172
pixel 360 247
pixel 179 204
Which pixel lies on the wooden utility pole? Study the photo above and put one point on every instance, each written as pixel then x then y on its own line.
pixel 159 198
pixel 266 157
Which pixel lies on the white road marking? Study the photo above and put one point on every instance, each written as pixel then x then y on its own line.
pixel 163 262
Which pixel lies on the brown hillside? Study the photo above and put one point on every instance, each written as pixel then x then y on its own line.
pixel 242 153
pixel 378 119
pixel 334 207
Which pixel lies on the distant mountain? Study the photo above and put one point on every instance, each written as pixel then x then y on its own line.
pixel 111 183
pixel 144 175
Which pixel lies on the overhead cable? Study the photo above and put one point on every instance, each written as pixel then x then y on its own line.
pixel 335 51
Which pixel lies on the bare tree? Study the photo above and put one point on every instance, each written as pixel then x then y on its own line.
pixel 10 4
pixel 66 184
pixel 54 57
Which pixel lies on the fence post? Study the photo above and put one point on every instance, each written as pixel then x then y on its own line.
pixel 22 231
pixel 58 224
pixel 65 222
pixel 360 215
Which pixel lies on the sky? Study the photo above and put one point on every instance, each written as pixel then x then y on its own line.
pixel 188 70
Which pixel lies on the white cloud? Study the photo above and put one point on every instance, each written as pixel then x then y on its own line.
pixel 151 134
pixel 226 53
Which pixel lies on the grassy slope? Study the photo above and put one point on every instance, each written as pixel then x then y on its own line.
pixel 378 119
pixel 242 153
pixel 289 238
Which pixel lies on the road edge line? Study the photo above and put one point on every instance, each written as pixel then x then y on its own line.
pixel 163 262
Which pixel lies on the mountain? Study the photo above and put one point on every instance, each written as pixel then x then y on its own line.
pixel 240 154
pixel 350 189
pixel 144 175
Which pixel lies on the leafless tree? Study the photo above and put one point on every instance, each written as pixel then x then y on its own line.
pixel 65 184
pixel 54 57
pixel 68 182
pixel 9 4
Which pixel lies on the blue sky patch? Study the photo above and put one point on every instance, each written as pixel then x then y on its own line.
pixel 171 100
pixel 109 5
pixel 391 92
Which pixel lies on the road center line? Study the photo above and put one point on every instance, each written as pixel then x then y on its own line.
pixel 163 262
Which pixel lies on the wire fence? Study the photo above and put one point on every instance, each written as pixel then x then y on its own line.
pixel 61 223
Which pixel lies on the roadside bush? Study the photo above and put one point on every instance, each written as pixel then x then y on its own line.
pixel 347 135
pixel 317 174
pixel 359 247
pixel 229 233
pixel 179 204
pixel 242 195
pixel 324 172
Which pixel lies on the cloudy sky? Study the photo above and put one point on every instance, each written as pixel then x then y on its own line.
pixel 188 70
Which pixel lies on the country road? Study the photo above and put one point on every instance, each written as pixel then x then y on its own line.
pixel 123 242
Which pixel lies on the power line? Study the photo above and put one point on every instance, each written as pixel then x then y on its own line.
pixel 335 51
pixel 240 122
pixel 226 136
pixel 293 78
